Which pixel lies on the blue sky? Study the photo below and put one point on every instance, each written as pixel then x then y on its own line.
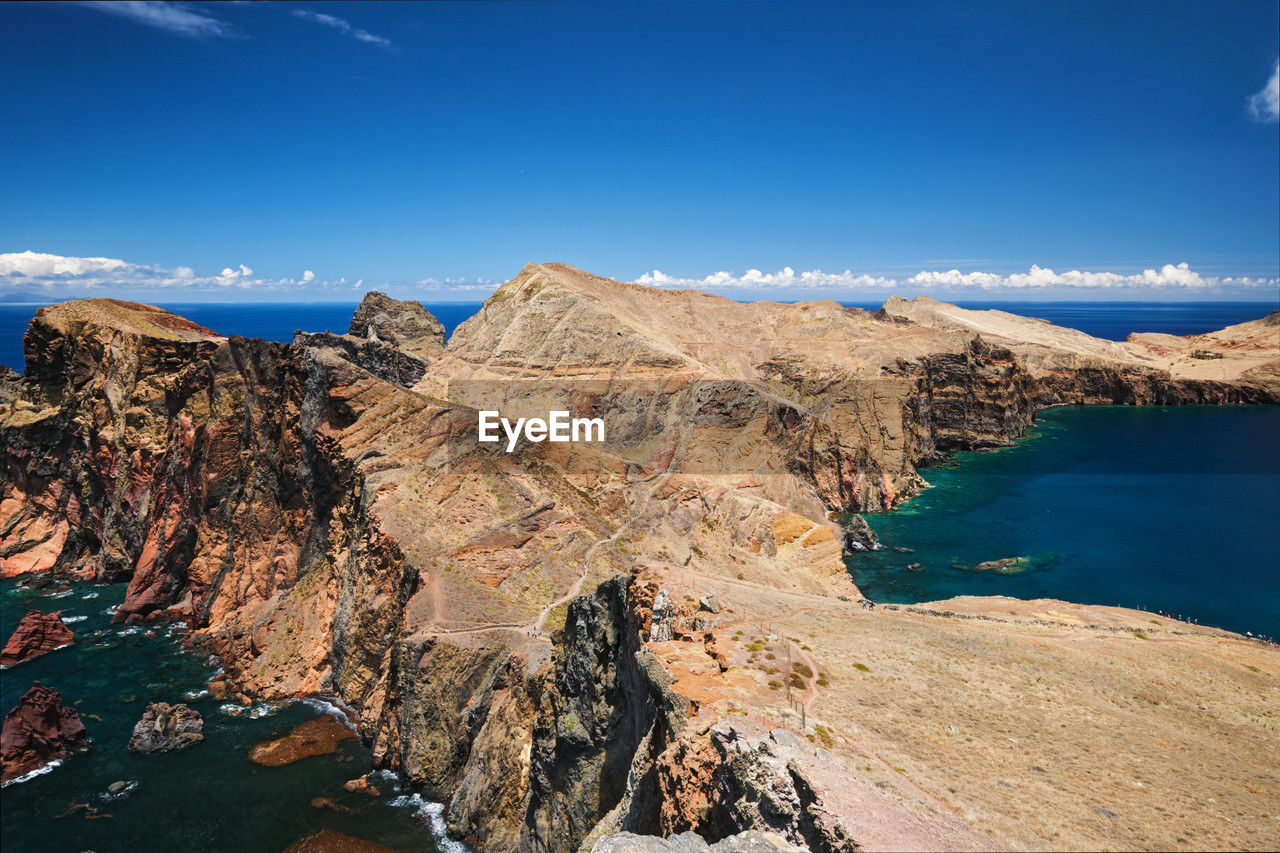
pixel 285 151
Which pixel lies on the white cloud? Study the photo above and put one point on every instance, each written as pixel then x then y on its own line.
pixel 341 26
pixel 173 17
pixel 230 276
pixel 757 280
pixel 60 276
pixel 41 264
pixel 1265 104
pixel 54 277
pixel 1170 277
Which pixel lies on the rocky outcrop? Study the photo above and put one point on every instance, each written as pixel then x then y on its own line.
pixel 320 736
pixel 381 359
pixel 166 728
pixel 405 325
pixel 39 730
pixel 393 340
pixel 520 634
pixel 38 633
pixel 859 537
pixel 83 438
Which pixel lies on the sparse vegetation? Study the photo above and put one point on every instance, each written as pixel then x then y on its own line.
pixel 556 618
pixel 862 666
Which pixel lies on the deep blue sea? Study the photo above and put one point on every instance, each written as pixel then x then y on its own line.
pixel 1173 509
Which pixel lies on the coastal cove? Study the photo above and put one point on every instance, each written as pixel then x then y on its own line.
pixel 209 796
pixel 1166 509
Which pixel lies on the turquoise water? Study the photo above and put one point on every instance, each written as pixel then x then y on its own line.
pixel 1169 509
pixel 209 797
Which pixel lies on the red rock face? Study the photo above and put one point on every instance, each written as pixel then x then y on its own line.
pixel 39 730
pixel 37 634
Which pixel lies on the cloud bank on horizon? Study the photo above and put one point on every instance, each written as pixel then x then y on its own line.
pixel 1177 277
pixel 40 276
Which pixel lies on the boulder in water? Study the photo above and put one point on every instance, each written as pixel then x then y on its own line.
pixel 858 537
pixel 1005 566
pixel 360 785
pixel 165 728
pixel 320 736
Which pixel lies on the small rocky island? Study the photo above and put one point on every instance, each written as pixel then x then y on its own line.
pixel 608 647
pixel 37 634
pixel 165 728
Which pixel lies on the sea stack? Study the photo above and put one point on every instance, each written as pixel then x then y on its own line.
pixel 38 633
pixel 38 731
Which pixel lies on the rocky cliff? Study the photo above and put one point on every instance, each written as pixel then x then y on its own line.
pixel 654 634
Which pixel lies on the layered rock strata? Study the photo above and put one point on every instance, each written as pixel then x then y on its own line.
pixel 38 633
pixel 37 731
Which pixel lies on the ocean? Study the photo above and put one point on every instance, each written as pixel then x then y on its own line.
pixel 208 797
pixel 1169 509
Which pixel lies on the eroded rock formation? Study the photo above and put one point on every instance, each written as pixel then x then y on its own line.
pixel 38 633
pixel 166 728
pixel 39 730
pixel 521 635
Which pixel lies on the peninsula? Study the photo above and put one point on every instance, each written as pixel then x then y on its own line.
pixel 588 645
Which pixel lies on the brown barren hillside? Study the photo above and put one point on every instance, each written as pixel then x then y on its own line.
pixel 657 633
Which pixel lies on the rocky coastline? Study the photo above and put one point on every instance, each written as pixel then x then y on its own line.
pixel 523 636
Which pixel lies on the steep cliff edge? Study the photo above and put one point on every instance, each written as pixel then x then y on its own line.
pixel 653 634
